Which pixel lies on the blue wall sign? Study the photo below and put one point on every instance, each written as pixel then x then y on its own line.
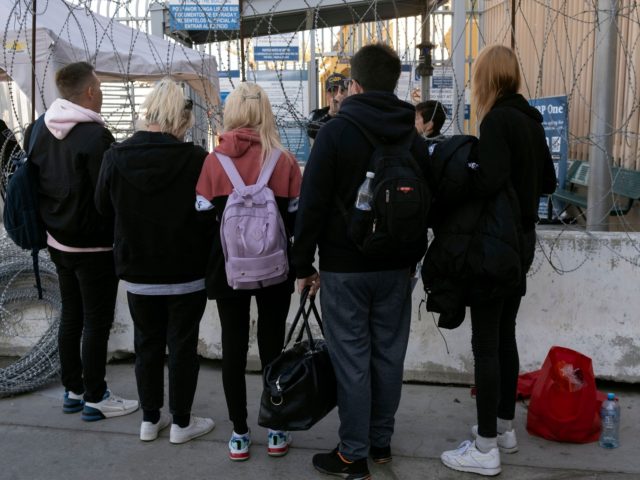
pixel 555 120
pixel 275 53
pixel 212 15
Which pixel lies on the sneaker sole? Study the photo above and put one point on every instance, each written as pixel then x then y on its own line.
pixel 381 461
pixel 153 436
pixel 489 472
pixel 72 409
pixel 180 441
pixel 90 414
pixel 348 476
pixel 273 452
pixel 238 457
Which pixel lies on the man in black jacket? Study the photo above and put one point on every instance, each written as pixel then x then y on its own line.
pixel 68 153
pixel 366 302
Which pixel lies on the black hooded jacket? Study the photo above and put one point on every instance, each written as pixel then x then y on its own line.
pixel 67 172
pixel 148 183
pixel 513 148
pixel 485 209
pixel 336 169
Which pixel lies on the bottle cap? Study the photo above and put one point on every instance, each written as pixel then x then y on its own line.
pixel 611 396
pixel 370 175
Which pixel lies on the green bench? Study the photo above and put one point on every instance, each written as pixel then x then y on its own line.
pixel 625 187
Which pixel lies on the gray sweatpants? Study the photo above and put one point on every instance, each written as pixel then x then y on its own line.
pixel 367 317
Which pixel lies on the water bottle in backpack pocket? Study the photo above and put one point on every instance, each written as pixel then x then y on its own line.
pixel 397 222
pixel 252 232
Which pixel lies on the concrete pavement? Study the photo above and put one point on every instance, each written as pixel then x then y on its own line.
pixel 38 441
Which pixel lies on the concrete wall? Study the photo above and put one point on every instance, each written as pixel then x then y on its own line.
pixel 582 294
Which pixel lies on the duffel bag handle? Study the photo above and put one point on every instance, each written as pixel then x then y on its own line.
pixel 304 313
pixel 300 313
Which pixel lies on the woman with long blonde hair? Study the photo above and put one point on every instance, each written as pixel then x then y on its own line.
pixel 513 161
pixel 161 247
pixel 250 137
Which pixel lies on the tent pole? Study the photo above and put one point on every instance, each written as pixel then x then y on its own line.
pixel 33 61
pixel 243 74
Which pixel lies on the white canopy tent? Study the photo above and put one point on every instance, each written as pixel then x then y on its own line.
pixel 68 33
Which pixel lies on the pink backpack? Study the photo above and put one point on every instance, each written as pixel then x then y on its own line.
pixel 254 240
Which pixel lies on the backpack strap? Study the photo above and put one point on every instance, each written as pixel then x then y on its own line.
pixel 268 167
pixel 35 131
pixel 231 171
pixel 236 180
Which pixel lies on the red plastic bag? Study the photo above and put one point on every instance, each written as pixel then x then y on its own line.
pixel 526 382
pixel 564 404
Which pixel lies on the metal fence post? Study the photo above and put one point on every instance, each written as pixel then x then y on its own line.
pixel 599 197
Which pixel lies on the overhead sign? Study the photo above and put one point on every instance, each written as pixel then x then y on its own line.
pixel 205 15
pixel 276 48
pixel 555 121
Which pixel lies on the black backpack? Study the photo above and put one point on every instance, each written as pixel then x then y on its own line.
pixel 396 226
pixel 21 216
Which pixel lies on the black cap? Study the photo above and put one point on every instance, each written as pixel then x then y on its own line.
pixel 335 80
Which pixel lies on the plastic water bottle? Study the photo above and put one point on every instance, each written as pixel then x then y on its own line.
pixel 365 193
pixel 610 415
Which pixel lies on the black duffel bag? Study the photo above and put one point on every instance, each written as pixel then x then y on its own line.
pixel 300 384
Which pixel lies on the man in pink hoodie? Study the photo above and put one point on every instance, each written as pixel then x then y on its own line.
pixel 69 153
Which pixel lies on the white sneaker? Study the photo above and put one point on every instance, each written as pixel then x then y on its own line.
pixel 467 458
pixel 110 406
pixel 149 431
pixel 507 441
pixel 239 446
pixel 278 443
pixel 197 427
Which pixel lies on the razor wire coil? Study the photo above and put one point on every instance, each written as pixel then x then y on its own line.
pixel 41 363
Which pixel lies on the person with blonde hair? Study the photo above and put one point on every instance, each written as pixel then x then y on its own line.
pixel 249 139
pixel 512 170
pixel 161 246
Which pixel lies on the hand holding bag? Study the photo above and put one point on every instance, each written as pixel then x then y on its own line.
pixel 300 384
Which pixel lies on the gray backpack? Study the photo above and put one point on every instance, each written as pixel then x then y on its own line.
pixel 254 240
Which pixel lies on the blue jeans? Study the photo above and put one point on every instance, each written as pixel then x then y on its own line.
pixel 88 289
pixel 367 317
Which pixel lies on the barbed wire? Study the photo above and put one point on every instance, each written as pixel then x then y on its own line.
pixel 554 40
pixel 27 321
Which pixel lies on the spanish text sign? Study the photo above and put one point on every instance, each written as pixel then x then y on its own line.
pixel 205 15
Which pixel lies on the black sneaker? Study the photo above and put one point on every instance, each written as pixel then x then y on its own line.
pixel 380 455
pixel 334 463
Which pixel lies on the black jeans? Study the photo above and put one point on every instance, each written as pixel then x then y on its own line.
pixel 273 307
pixel 88 289
pixel 495 353
pixel 162 321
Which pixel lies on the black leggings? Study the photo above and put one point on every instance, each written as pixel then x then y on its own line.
pixel 273 307
pixel 495 353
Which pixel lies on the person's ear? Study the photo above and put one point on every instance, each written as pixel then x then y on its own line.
pixel 429 127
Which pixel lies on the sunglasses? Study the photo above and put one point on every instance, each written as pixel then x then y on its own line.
pixel 348 81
